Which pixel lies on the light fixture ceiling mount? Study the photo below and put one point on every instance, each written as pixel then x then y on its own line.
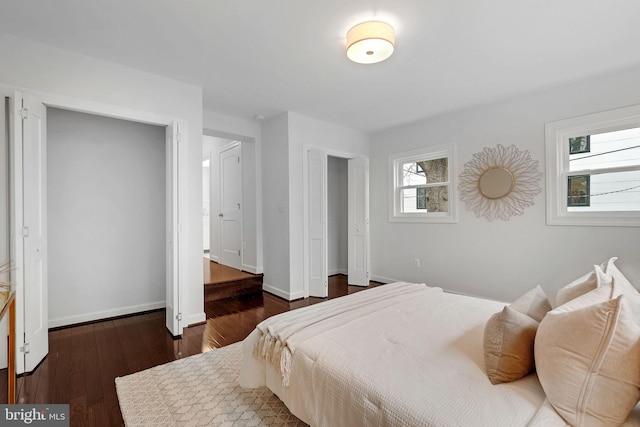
pixel 370 42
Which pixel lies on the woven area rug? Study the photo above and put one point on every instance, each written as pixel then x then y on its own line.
pixel 200 390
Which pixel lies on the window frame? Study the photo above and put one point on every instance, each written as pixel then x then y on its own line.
pixel 557 135
pixel 432 152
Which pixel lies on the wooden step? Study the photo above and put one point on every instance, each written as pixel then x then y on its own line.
pixel 233 288
pixel 225 282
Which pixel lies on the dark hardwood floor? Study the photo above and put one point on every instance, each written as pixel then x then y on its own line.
pixel 83 361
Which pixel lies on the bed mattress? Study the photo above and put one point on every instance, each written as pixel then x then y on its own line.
pixel 414 361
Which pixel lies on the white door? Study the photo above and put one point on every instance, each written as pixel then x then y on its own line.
pixel 172 320
pixel 317 223
pixel 32 265
pixel 230 207
pixel 358 221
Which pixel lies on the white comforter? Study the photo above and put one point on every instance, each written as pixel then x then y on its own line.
pixel 378 359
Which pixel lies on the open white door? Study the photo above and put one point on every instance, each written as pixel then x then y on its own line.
pixel 358 221
pixel 173 315
pixel 230 207
pixel 317 223
pixel 30 150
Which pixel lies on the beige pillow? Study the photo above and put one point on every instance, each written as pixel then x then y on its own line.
pixel 547 416
pixel 587 355
pixel 590 281
pixel 613 277
pixel 534 304
pixel 508 345
pixel 509 337
pixel 578 287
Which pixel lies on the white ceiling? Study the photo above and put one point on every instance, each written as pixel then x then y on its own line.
pixel 262 57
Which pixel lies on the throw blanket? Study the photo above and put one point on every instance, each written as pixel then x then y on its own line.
pixel 282 334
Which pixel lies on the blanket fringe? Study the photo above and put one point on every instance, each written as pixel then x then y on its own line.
pixel 271 350
pixel 258 348
pixel 274 356
pixel 280 336
pixel 285 366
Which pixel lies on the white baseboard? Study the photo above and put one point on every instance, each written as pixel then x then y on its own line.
pixel 282 294
pixel 196 318
pixel 105 314
pixel 252 269
pixel 389 280
pixel 296 295
pixel 338 271
pixel 383 279
pixel 276 291
pixel 474 296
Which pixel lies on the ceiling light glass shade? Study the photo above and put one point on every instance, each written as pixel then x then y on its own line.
pixel 370 42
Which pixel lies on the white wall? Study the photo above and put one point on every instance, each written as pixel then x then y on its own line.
pixel 337 215
pixel 39 68
pixel 286 138
pixel 106 217
pixel 251 209
pixel 499 259
pixel 275 202
pixel 304 133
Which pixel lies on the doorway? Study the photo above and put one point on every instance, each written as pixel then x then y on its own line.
pixel 224 189
pixel 106 191
pixel 337 216
pixel 328 205
pixel 29 213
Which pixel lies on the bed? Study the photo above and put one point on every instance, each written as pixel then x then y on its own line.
pixel 401 354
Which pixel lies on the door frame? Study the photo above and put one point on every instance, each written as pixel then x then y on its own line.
pixel 252 259
pixel 16 174
pixel 305 183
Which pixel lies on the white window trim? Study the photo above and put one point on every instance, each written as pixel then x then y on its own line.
pixel 557 157
pixel 395 177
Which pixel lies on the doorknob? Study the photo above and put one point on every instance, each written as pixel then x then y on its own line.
pixel 220 215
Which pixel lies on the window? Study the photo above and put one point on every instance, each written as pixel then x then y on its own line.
pixel 422 187
pixel 593 169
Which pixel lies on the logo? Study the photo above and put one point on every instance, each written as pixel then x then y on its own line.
pixel 34 415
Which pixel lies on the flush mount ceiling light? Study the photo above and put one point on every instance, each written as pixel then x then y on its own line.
pixel 370 42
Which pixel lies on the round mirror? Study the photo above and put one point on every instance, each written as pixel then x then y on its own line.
pixel 496 182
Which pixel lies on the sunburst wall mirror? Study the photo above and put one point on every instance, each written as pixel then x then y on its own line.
pixel 499 182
